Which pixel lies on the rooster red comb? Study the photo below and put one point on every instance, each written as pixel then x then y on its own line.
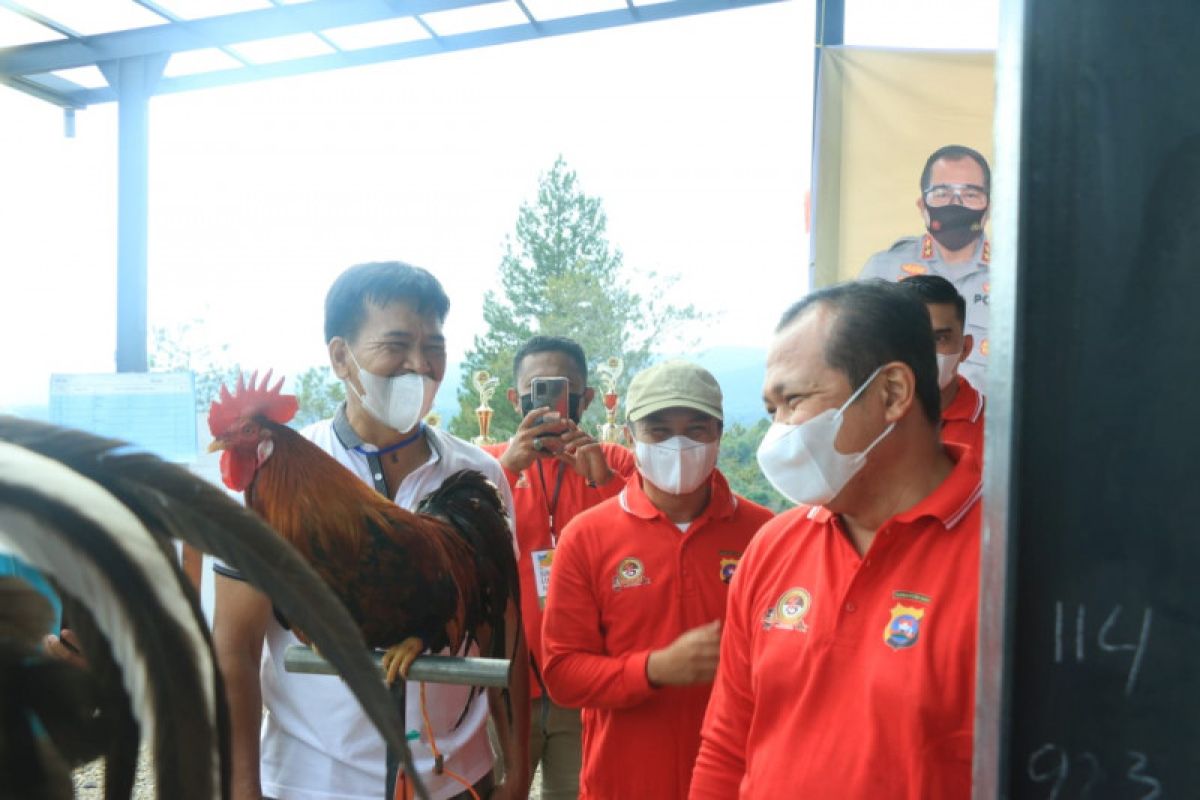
pixel 249 400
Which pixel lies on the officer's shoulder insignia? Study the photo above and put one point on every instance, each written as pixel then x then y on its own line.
pixel 914 269
pixel 904 627
pixel 630 573
pixel 986 255
pixel 927 248
pixel 789 611
pixel 983 348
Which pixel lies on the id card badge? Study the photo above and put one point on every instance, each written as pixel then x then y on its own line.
pixel 542 559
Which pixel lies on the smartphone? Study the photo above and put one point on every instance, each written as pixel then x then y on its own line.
pixel 553 393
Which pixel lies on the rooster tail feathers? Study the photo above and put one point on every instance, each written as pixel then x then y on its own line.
pixel 97 551
pixel 174 503
pixel 472 506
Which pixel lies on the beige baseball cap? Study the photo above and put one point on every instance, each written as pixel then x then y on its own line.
pixel 673 384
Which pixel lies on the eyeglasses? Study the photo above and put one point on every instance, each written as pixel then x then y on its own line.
pixel 968 194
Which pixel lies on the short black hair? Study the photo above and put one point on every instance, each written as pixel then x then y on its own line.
pixel 956 152
pixel 877 322
pixel 380 283
pixel 939 291
pixel 552 344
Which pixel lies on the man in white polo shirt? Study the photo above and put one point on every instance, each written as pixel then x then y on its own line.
pixel 383 324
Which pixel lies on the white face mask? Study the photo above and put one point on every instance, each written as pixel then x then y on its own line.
pixel 801 461
pixel 947 367
pixel 678 465
pixel 399 402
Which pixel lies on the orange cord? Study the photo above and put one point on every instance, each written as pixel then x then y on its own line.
pixel 402 779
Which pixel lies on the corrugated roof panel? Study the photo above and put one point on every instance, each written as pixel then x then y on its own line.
pixel 376 34
pixel 87 77
pixel 282 48
pixel 16 29
pixel 558 9
pixel 95 16
pixel 475 18
pixel 195 9
pixel 192 62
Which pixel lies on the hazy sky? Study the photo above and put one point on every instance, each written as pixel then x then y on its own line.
pixel 694 132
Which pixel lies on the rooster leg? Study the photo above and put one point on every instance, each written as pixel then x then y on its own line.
pixel 399 657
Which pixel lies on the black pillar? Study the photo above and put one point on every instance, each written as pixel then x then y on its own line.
pixel 1093 500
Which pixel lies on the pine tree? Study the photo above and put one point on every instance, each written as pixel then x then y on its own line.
pixel 560 277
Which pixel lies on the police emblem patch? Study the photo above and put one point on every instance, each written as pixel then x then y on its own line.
pixel 789 611
pixel 630 572
pixel 729 562
pixel 904 627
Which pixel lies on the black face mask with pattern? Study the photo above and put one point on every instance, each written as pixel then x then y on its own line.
pixel 573 401
pixel 955 226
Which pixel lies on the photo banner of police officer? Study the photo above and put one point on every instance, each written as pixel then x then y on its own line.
pixel 880 114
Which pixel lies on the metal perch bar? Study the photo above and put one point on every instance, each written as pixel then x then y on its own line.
pixel 490 672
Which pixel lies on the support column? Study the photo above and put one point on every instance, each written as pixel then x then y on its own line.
pixel 1092 507
pixel 133 79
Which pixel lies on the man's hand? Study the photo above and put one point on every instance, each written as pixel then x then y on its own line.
pixel 531 440
pixel 585 455
pixel 692 658
pixel 66 647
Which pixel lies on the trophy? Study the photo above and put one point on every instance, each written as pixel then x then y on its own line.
pixel 485 387
pixel 610 372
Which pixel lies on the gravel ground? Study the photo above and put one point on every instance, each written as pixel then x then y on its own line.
pixel 89 782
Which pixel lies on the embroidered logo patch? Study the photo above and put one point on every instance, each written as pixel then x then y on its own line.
pixel 630 572
pixel 729 562
pixel 789 611
pixel 904 627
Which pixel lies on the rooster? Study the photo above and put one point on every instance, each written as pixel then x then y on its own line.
pixel 99 518
pixel 438 578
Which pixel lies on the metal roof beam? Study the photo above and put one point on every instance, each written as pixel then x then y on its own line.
pixel 246 26
pixel 443 44
pixel 41 89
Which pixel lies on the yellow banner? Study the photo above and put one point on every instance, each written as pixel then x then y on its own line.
pixel 880 114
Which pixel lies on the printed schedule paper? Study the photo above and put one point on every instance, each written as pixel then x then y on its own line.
pixel 155 411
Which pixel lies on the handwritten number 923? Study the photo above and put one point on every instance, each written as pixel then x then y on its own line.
pixel 1052 764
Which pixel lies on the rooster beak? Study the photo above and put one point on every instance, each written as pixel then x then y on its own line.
pixel 216 445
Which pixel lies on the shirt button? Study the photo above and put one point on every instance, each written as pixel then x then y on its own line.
pixel 851 608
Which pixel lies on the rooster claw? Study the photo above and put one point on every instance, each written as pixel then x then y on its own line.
pixel 398 658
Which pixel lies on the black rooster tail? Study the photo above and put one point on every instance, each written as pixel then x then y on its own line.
pixel 472 506
pixel 96 551
pixel 174 504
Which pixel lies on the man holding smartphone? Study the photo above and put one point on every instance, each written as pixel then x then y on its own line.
pixel 555 470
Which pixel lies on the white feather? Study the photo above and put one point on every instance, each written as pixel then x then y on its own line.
pixel 52 552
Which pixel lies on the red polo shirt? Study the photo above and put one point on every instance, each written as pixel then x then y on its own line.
pixel 532 505
pixel 627 581
pixel 962 420
pixel 851 677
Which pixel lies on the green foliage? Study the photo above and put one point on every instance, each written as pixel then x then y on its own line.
pixel 181 348
pixel 739 464
pixel 319 393
pixel 560 277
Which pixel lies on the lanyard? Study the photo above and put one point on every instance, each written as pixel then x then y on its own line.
pixel 551 502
